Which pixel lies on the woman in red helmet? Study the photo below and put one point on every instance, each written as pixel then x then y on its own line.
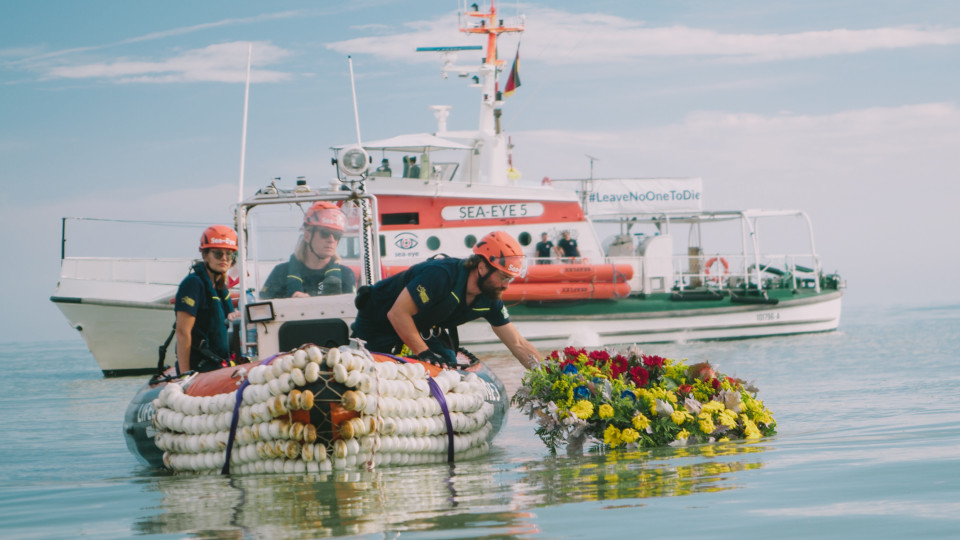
pixel 420 306
pixel 313 269
pixel 203 303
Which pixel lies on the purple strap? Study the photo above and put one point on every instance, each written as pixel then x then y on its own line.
pixel 236 417
pixel 438 395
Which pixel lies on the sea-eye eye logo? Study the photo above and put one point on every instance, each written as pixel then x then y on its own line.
pixel 406 240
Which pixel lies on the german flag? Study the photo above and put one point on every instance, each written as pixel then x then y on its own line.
pixel 513 81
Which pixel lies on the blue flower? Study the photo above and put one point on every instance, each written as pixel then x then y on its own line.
pixel 581 392
pixel 570 369
pixel 627 394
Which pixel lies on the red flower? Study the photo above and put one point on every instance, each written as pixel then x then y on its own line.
pixel 639 376
pixel 618 366
pixel 653 361
pixel 684 389
pixel 572 352
pixel 702 371
pixel 599 355
pixel 715 383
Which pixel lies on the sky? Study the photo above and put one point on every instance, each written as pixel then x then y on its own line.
pixel 847 109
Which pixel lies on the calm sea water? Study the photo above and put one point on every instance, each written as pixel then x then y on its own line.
pixel 868 447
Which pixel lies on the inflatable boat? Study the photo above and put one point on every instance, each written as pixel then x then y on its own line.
pixel 316 409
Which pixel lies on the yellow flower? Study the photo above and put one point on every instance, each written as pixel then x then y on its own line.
pixel 683 434
pixel 707 426
pixel 583 409
pixel 640 421
pixel 629 435
pixel 679 417
pixel 750 430
pixel 712 407
pixel 611 436
pixel 605 411
pixel 728 418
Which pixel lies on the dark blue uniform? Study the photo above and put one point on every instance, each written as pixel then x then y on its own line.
pixel 569 247
pixel 197 296
pixel 292 276
pixel 439 289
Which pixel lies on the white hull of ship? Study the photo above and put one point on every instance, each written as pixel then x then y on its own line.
pixel 124 336
pixel 815 314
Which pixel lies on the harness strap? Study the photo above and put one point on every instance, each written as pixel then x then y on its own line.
pixel 163 350
pixel 438 395
pixel 236 418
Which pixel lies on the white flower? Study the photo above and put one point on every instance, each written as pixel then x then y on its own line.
pixel 607 390
pixel 731 400
pixel 664 408
pixel 692 405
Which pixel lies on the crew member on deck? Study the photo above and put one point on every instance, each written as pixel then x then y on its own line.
pixel 567 248
pixel 313 269
pixel 544 250
pixel 384 168
pixel 203 304
pixel 421 307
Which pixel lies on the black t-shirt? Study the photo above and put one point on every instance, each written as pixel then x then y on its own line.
pixel 544 249
pixel 569 247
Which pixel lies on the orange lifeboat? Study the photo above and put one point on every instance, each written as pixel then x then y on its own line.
pixel 553 273
pixel 548 273
pixel 527 292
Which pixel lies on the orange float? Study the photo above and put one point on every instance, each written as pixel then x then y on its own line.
pixel 553 273
pixel 547 273
pixel 527 292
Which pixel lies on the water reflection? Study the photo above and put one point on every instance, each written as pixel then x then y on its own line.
pixel 640 474
pixel 482 498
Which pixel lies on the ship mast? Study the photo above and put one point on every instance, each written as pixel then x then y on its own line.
pixel 491 139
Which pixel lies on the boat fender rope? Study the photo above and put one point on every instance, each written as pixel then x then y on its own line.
pixel 236 418
pixel 438 395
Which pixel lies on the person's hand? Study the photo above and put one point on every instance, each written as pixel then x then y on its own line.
pixel 233 315
pixel 435 358
pixel 299 294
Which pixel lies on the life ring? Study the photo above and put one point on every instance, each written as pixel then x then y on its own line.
pixel 719 277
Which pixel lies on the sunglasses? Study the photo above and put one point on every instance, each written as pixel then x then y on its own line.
pixel 223 254
pixel 327 233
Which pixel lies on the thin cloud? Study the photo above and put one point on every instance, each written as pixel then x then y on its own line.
pixel 164 34
pixel 599 38
pixel 224 62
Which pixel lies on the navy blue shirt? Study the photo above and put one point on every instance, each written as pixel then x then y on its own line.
pixel 439 290
pixel 292 276
pixel 569 247
pixel 197 296
pixel 544 249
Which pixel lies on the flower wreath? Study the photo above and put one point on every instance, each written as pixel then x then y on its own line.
pixel 637 401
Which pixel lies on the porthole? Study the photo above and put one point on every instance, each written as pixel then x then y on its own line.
pixel 524 238
pixel 433 243
pixel 470 241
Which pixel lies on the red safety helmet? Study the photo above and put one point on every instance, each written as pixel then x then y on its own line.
pixel 502 252
pixel 218 237
pixel 325 214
